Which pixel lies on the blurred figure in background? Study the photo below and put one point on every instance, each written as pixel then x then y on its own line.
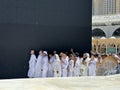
pixel 99 66
pixel 54 52
pixel 64 64
pixel 77 65
pixel 92 66
pixel 50 69
pixel 38 66
pixel 72 52
pixel 70 65
pixel 32 63
pixel 99 59
pixel 56 65
pixel 84 64
pixel 45 64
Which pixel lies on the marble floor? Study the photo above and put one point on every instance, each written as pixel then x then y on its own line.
pixel 75 83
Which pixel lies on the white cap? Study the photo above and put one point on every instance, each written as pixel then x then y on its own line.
pixel 88 55
pixel 45 52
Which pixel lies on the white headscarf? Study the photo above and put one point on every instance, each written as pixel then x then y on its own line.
pixel 45 52
pixel 87 59
pixel 57 57
pixel 88 55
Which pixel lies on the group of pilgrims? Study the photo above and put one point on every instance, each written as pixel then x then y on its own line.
pixel 62 64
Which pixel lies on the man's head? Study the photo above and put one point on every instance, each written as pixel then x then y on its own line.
pixel 50 55
pixel 32 52
pixel 71 50
pixel 54 52
pixel 99 57
pixel 45 53
pixel 64 56
pixel 84 55
pixel 61 54
pixel 40 52
pixel 92 57
pixel 71 56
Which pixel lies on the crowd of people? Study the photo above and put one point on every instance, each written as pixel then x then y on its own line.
pixel 62 65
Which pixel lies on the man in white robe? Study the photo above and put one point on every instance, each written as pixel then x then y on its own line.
pixel 87 62
pixel 77 66
pixel 70 66
pixel 45 64
pixel 64 64
pixel 87 58
pixel 50 69
pixel 38 72
pixel 56 66
pixel 92 66
pixel 32 62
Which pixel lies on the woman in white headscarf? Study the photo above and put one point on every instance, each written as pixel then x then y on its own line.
pixel 38 72
pixel 45 64
pixel 70 65
pixel 32 63
pixel 84 64
pixel 56 66
pixel 87 59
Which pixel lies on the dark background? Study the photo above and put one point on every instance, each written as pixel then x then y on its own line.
pixel 41 24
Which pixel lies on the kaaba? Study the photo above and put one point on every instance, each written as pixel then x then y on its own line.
pixel 41 24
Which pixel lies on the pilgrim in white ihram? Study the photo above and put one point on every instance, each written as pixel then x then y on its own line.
pixel 32 63
pixel 56 66
pixel 45 64
pixel 38 72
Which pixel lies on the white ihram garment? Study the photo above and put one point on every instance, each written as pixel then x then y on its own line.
pixel 64 66
pixel 70 68
pixel 38 72
pixel 92 67
pixel 84 67
pixel 56 66
pixel 32 62
pixel 45 66
pixel 77 67
pixel 50 69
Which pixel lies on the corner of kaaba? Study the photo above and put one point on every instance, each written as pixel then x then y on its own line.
pixel 41 24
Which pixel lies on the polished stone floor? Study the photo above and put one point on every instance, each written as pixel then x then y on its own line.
pixel 75 83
